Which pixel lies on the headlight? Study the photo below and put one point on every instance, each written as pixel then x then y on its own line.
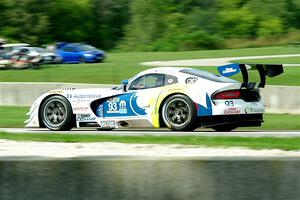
pixel 88 55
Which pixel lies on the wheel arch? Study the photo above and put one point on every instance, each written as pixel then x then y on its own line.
pixel 161 121
pixel 42 125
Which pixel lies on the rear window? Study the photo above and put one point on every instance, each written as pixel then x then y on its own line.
pixel 86 47
pixel 208 75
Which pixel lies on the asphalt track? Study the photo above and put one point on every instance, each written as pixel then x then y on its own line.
pixel 161 132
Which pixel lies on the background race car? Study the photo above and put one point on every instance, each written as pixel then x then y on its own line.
pixel 181 99
pixel 79 53
pixel 35 52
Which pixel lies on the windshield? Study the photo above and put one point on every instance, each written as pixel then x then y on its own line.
pixel 208 75
pixel 86 47
pixel 40 50
pixel 121 87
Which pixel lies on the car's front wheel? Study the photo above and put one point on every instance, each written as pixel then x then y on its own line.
pixel 56 113
pixel 179 113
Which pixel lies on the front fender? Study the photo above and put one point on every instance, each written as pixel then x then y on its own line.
pixel 33 114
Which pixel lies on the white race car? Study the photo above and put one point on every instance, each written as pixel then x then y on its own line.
pixel 181 99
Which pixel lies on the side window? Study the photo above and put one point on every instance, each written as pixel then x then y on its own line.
pixel 23 51
pixel 68 49
pixel 148 81
pixel 171 80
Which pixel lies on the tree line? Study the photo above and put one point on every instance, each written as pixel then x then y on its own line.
pixel 148 25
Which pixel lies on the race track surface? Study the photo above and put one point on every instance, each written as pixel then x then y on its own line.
pixel 12 150
pixel 160 132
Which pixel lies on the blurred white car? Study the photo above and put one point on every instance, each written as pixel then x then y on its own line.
pixel 4 61
pixel 45 56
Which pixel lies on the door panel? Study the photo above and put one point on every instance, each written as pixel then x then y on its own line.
pixel 124 105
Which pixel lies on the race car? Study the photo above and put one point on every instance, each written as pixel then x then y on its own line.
pixel 181 99
pixel 79 53
pixel 46 57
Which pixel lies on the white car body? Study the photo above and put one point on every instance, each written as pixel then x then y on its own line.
pixel 13 48
pixel 46 56
pixel 132 108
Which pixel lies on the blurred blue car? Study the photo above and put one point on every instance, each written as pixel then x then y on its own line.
pixel 79 53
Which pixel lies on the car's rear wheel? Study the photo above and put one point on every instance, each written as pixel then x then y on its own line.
pixel 224 128
pixel 179 113
pixel 56 113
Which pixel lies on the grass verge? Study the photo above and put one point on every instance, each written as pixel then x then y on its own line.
pixel 14 117
pixel 119 66
pixel 254 143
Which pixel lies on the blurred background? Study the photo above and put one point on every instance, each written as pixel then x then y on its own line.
pixel 152 25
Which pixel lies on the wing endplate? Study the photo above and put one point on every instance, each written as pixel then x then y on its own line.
pixel 270 70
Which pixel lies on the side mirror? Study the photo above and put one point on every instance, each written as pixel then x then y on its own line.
pixel 124 83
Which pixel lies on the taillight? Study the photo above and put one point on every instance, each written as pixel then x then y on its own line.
pixel 231 94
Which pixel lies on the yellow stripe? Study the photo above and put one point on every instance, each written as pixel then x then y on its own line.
pixel 163 94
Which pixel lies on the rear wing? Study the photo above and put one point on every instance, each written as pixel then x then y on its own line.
pixel 270 70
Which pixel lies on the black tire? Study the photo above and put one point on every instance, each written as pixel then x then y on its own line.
pixel 81 60
pixel 179 113
pixel 224 128
pixel 56 113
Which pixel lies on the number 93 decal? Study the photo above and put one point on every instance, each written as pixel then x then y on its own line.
pixel 229 103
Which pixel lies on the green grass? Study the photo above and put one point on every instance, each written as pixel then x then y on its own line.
pixel 14 117
pixel 119 66
pixel 255 143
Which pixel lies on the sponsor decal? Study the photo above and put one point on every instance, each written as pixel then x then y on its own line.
pixel 56 92
pixel 122 105
pixel 230 111
pixel 85 117
pixel 107 124
pixel 229 70
pixel 68 88
pixel 253 110
pixel 83 96
pixel 80 109
pixel 191 80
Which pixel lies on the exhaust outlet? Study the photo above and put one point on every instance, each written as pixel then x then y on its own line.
pixel 123 124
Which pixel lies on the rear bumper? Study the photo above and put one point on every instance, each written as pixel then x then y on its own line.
pixel 243 120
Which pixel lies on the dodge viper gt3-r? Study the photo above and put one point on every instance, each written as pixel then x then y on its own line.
pixel 181 99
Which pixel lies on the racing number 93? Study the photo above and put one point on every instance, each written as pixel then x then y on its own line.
pixel 229 103
pixel 112 106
